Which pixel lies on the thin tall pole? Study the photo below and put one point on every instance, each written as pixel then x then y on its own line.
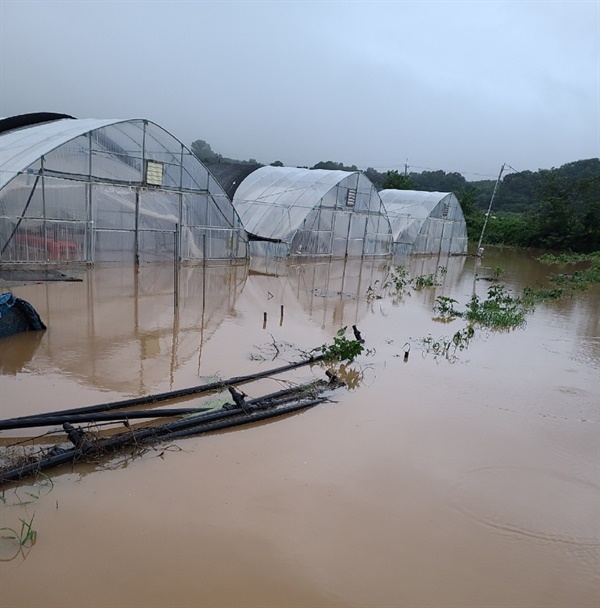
pixel 203 272
pixel 176 268
pixel 487 215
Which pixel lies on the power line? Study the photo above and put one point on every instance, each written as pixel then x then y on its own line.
pixel 403 166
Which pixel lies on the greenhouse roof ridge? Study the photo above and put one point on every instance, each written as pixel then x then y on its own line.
pixel 396 200
pixel 300 178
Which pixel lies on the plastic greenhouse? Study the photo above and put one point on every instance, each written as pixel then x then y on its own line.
pixel 290 212
pixel 425 222
pixel 109 190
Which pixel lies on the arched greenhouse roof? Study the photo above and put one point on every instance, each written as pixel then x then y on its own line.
pixel 22 147
pixel 102 189
pixel 26 120
pixel 425 222
pixel 311 211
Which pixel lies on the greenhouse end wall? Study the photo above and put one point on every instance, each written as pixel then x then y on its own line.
pixel 425 223
pixel 111 191
pixel 299 213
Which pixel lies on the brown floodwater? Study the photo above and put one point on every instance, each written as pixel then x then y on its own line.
pixel 469 481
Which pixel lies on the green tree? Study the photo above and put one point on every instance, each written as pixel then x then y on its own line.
pixel 376 178
pixel 207 155
pixel 204 152
pixel 331 165
pixel 438 181
pixel 556 218
pixel 473 216
pixel 397 181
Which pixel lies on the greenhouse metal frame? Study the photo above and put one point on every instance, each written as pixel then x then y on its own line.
pixel 425 223
pixel 90 190
pixel 293 212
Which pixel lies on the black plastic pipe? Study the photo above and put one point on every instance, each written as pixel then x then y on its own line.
pixel 184 392
pixel 181 428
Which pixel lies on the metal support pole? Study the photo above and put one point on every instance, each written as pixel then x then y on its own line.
pixel 203 272
pixel 176 268
pixel 487 215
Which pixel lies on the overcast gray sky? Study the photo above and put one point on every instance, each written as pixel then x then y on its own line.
pixel 453 85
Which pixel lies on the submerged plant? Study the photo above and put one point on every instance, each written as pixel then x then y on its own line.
pixel 371 295
pixel 398 279
pixel 26 535
pixel 33 492
pixel 342 348
pixel 569 258
pixel 579 280
pixel 499 311
pixel 444 307
pixel 426 280
pixel 21 539
pixel 448 346
pixel 532 296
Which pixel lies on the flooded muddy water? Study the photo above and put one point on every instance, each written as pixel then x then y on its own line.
pixel 470 481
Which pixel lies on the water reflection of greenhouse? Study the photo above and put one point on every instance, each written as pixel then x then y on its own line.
pixel 118 329
pixel 108 190
pixel 332 292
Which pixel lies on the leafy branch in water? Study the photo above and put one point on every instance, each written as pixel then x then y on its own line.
pixel 501 311
pixel 532 296
pixel 444 307
pixel 447 347
pixel 342 348
pixel 397 279
pixel 498 311
pixel 425 280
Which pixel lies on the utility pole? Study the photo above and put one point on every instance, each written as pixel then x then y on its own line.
pixel 406 168
pixel 487 215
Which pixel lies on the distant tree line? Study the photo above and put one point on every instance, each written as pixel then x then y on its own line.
pixel 208 156
pixel 557 209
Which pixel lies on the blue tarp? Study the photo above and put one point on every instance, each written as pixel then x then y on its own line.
pixel 17 315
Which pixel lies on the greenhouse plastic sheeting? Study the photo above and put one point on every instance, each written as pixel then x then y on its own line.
pixel 110 190
pixel 425 222
pixel 306 212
